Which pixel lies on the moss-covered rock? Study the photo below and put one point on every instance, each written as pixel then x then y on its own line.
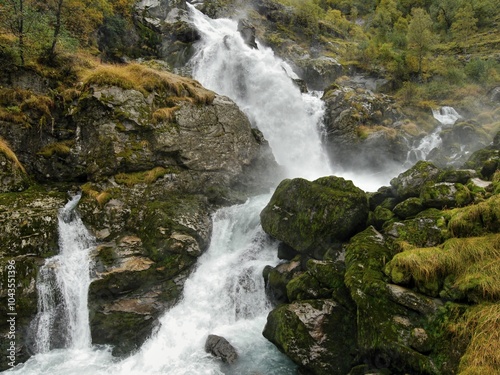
pixel 409 208
pixel 383 325
pixel 445 194
pixel 13 176
pixel 408 184
pixel 29 222
pixel 484 161
pixel 311 216
pixel 318 335
pixel 381 215
pixel 429 228
pixel 278 278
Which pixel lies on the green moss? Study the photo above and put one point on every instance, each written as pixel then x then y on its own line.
pixel 60 149
pixel 445 194
pixel 409 208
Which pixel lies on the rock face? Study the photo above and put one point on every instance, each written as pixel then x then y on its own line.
pixel 152 167
pixel 221 348
pixel 311 216
pixel 247 31
pixel 360 129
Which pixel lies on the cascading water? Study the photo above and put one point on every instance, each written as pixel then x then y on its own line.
pixel 447 116
pixel 62 286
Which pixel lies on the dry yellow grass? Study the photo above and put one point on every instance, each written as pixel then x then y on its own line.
pixel 474 262
pixel 147 80
pixel 480 326
pixel 101 197
pixel 7 151
pixel 166 114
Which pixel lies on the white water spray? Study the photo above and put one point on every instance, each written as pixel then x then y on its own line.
pixel 62 287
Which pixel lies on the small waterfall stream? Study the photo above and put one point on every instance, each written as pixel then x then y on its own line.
pixel 62 286
pixel 446 116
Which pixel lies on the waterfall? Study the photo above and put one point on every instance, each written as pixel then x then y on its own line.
pixel 62 286
pixel 258 82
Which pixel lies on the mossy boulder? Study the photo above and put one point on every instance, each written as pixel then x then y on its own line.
pixel 29 222
pixel 408 184
pixel 311 216
pixel 445 194
pixel 429 228
pixel 381 215
pixel 409 207
pixel 318 335
pixel 277 279
pixel 485 161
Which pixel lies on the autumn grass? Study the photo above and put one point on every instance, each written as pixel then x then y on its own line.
pixel 476 219
pixel 9 154
pixel 102 197
pixel 480 326
pixel 166 114
pixel 17 105
pixel 473 262
pixel 146 177
pixel 364 131
pixel 61 149
pixel 147 80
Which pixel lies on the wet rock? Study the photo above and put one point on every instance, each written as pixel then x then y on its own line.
pixel 247 31
pixel 311 216
pixel 412 300
pixel 355 136
pixel 221 348
pixel 279 277
pixel 318 335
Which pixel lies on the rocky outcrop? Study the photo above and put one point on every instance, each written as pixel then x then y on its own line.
pixel 360 130
pixel 247 31
pixel 170 20
pixel 221 348
pixel 427 255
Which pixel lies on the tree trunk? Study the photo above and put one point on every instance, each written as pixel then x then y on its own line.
pixel 57 29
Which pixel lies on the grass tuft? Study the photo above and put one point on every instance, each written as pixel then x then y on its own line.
pixel 61 149
pixel 166 114
pixel 146 177
pixel 7 151
pixel 473 262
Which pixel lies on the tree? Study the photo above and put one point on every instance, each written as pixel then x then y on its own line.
pixel 464 25
pixel 386 14
pixel 421 39
pixel 16 16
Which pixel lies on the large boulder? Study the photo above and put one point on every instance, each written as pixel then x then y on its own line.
pixel 312 216
pixel 318 335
